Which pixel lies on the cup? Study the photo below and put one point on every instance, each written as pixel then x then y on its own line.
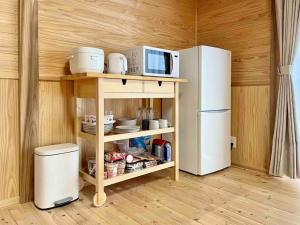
pixel 153 124
pixel 121 167
pixel 163 123
pixel 92 167
pixel 112 169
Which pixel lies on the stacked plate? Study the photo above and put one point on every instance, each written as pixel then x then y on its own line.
pixel 88 127
pixel 126 129
pixel 109 126
pixel 91 127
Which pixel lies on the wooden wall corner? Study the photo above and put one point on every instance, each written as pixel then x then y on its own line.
pixel 28 91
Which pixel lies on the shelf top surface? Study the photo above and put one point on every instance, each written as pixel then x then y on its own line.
pixel 82 76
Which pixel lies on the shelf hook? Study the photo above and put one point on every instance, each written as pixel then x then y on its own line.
pixel 159 83
pixel 124 81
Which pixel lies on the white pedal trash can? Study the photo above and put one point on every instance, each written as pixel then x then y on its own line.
pixel 56 175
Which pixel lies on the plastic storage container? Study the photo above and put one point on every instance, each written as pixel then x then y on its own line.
pixel 86 59
pixel 56 175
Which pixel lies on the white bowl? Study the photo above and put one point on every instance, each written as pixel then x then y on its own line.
pixel 126 129
pixel 127 122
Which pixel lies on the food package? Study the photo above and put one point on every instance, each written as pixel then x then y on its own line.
pixel 114 156
pixel 136 165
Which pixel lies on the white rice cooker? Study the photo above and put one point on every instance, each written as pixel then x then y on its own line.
pixel 86 59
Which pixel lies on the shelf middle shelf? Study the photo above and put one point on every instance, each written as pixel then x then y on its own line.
pixel 116 137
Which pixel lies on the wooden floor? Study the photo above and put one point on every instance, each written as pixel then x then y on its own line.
pixel 233 196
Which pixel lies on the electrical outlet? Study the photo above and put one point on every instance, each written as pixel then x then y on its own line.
pixel 233 142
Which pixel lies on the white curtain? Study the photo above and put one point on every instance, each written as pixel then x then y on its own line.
pixel 285 157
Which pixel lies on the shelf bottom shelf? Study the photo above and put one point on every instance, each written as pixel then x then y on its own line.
pixel 126 176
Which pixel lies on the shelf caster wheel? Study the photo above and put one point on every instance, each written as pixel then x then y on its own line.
pixel 99 200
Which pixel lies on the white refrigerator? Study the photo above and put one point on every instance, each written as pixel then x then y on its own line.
pixel 205 110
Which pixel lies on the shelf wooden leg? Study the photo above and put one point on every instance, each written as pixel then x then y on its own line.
pixel 100 196
pixel 77 124
pixel 175 149
pixel 99 199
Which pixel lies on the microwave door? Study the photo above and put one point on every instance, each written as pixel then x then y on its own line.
pixel 157 62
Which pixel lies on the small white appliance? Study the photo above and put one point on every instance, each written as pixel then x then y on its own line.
pixel 150 61
pixel 205 110
pixel 56 175
pixel 116 63
pixel 86 59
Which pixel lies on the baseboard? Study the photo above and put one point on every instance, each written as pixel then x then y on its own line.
pixel 9 201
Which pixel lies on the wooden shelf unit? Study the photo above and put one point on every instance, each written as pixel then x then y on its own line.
pixel 113 86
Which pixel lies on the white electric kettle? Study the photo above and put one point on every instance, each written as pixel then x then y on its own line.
pixel 116 63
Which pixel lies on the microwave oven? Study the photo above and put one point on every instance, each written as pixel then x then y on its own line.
pixel 150 61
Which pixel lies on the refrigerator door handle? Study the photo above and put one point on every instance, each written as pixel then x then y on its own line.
pixel 213 111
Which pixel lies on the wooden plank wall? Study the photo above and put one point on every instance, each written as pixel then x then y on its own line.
pixel 245 28
pixel 111 25
pixel 9 102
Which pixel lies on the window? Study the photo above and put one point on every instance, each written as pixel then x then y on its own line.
pixel 296 86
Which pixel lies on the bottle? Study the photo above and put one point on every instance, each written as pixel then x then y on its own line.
pixel 167 152
pixel 139 116
pixel 145 120
pixel 150 114
pixel 159 152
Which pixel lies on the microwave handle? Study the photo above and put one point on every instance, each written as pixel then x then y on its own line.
pixel 171 64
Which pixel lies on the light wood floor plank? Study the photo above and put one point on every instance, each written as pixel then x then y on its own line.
pixel 269 197
pixel 172 200
pixel 5 217
pixel 285 186
pixel 233 196
pixel 257 210
pixel 108 214
pixel 205 202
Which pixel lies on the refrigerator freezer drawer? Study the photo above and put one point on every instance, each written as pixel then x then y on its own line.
pixel 215 150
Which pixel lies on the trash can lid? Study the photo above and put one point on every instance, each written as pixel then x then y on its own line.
pixel 56 149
